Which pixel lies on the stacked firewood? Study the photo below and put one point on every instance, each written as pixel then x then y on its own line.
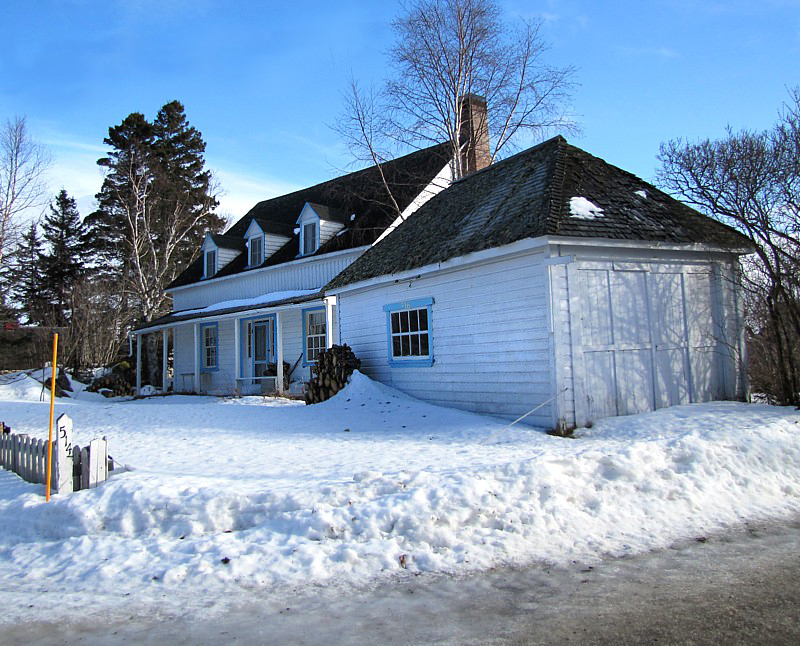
pixel 330 375
pixel 120 382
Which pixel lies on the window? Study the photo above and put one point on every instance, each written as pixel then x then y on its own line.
pixel 256 251
pixel 210 347
pixel 309 238
pixel 211 263
pixel 315 333
pixel 409 332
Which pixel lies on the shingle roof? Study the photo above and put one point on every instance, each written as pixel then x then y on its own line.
pixel 228 242
pixel 204 313
pixel 361 193
pixel 327 213
pixel 527 196
pixel 278 228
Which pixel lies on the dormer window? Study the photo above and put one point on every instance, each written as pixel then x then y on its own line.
pixel 256 251
pixel 211 263
pixel 310 238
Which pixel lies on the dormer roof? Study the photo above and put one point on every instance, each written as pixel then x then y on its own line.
pixel 361 193
pixel 329 213
pixel 227 241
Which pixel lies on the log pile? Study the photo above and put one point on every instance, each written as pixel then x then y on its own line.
pixel 330 374
pixel 120 382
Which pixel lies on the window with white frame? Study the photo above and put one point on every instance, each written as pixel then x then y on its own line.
pixel 211 263
pixel 409 330
pixel 209 347
pixel 316 334
pixel 256 250
pixel 310 238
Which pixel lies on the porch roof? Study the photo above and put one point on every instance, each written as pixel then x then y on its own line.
pixel 227 309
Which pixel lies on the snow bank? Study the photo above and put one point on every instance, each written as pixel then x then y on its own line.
pixel 21 387
pixel 229 498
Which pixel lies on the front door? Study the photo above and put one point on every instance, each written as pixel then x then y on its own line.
pixel 262 343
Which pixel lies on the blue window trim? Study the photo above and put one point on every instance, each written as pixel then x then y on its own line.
pixel 306 361
pixel 249 252
pixel 302 235
pixel 409 362
pixel 203 367
pixel 243 341
pixel 215 251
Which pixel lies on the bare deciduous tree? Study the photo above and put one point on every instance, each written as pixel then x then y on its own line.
pixel 444 51
pixel 751 180
pixel 23 164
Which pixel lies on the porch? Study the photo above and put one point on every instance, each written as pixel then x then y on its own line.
pixel 241 351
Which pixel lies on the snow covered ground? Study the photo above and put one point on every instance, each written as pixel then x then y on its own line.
pixel 230 499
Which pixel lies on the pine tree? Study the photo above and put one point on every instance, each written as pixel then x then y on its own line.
pixel 29 290
pixel 64 263
pixel 183 185
pixel 155 206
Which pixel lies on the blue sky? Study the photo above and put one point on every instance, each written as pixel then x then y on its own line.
pixel 263 80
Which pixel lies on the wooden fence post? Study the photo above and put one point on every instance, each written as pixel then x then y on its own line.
pixel 98 462
pixel 63 455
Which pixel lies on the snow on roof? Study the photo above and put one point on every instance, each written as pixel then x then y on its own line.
pixel 580 207
pixel 264 299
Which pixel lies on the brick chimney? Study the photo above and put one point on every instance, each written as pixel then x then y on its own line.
pixel 474 135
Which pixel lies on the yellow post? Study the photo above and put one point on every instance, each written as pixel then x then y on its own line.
pixel 53 370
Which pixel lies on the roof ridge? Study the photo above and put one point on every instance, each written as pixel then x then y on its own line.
pixel 557 186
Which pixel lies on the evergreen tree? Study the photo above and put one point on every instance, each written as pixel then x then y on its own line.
pixel 183 185
pixel 64 263
pixel 155 205
pixel 29 290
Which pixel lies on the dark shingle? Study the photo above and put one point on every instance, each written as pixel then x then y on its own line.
pixel 527 196
pixel 228 242
pixel 361 193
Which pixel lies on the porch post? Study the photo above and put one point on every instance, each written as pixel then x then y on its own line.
pixel 237 352
pixel 196 358
pixel 138 364
pixel 330 338
pixel 279 349
pixel 164 355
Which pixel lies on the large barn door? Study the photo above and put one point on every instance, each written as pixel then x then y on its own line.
pixel 671 351
pixel 703 337
pixel 632 344
pixel 598 344
pixel 648 338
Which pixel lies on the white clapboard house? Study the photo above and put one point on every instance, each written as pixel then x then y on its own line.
pixel 249 315
pixel 553 281
pixel 550 280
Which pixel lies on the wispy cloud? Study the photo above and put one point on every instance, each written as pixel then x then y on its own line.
pixel 242 191
pixel 75 169
pixel 652 52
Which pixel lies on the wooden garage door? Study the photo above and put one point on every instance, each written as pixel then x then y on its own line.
pixel 643 347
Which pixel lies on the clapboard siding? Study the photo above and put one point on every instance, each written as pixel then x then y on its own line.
pixel 273 243
pixel 223 380
pixel 291 276
pixel 224 256
pixel 328 229
pixel 490 340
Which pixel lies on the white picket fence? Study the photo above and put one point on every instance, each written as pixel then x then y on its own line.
pixel 74 468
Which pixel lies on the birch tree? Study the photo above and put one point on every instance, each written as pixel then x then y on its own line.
pixel 445 50
pixel 156 202
pixel 23 165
